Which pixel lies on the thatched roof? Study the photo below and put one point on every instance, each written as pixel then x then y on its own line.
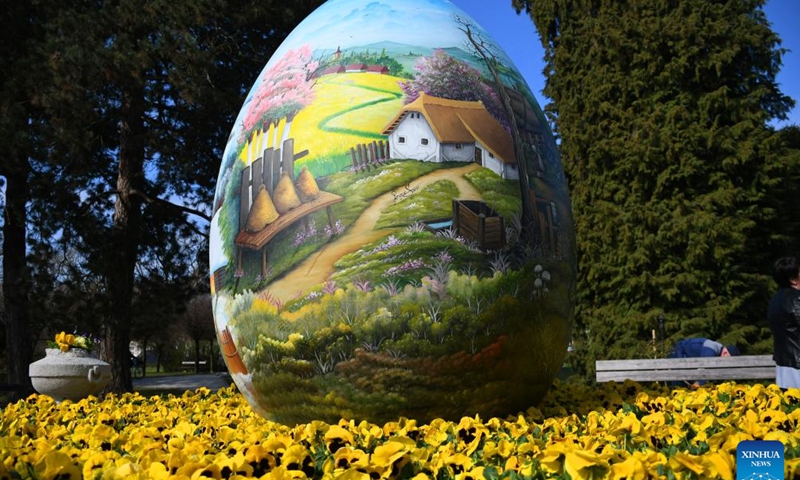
pixel 457 121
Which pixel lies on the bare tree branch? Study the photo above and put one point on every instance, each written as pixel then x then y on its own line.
pixel 484 50
pixel 165 203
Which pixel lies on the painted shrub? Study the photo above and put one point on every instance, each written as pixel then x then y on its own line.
pixel 392 233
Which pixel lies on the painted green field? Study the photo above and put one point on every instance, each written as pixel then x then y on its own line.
pixel 349 109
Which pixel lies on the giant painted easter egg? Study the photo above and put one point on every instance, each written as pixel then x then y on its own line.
pixel 392 233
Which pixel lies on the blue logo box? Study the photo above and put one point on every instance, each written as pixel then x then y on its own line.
pixel 759 459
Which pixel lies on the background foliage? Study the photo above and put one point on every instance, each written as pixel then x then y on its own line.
pixel 114 119
pixel 677 183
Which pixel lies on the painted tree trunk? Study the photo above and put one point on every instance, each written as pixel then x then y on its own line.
pixel 287 128
pixel 529 233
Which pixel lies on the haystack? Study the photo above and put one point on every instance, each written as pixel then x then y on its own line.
pixel 262 213
pixel 307 187
pixel 285 196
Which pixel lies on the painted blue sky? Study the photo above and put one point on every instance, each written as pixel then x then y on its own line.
pixel 352 23
pixel 346 23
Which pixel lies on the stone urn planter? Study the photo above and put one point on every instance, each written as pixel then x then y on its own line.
pixel 70 375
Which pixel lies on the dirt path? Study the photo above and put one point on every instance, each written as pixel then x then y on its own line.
pixel 319 266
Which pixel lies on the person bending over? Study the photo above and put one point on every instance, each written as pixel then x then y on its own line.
pixel 701 347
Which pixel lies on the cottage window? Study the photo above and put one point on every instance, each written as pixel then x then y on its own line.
pixel 491 155
pixel 401 139
pixel 459 146
pixel 424 141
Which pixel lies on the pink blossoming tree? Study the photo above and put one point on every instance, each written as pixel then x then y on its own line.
pixel 285 89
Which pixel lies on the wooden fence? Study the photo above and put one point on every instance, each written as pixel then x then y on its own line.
pixel 267 171
pixel 365 155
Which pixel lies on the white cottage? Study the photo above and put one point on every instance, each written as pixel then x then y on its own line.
pixel 433 129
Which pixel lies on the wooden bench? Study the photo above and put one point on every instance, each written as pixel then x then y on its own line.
pixel 190 364
pixel 745 367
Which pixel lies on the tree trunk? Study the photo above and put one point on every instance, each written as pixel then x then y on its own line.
pixel 196 355
pixel 125 237
pixel 211 364
pixel 144 357
pixel 16 280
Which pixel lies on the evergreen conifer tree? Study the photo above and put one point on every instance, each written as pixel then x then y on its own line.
pixel 662 109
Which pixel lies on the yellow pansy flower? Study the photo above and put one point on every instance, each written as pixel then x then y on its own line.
pixel 437 433
pixel 791 467
pixel 206 471
pixel 579 464
pixel 470 432
pixel 652 461
pixel 503 449
pixel 717 440
pixel 347 457
pixel 551 457
pixel 474 473
pixel 56 464
pixel 387 454
pixel 719 464
pixel 627 423
pixel 352 474
pixel 657 419
pixel 96 463
pixel 126 470
pixel 772 418
pixel 682 461
pixel 750 425
pixel 282 473
pixel 456 463
pixel 337 437
pixel 630 469
pixel 297 457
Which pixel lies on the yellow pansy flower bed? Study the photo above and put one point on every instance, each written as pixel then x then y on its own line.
pixel 613 431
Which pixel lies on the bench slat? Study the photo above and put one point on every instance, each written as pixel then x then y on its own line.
pixel 690 369
pixel 752 373
pixel 678 363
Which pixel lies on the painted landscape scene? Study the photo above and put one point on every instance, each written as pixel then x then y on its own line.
pixel 392 232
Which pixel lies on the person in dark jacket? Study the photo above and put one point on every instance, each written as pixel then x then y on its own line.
pixel 784 321
pixel 701 347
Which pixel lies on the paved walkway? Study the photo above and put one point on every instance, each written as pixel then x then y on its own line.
pixel 213 381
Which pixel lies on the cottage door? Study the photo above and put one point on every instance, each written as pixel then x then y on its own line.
pixel 478 156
